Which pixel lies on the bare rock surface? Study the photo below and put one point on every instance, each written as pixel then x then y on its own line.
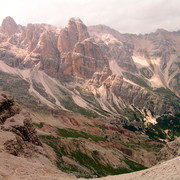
pixel 69 36
pixel 22 154
pixel 9 26
pixel 171 150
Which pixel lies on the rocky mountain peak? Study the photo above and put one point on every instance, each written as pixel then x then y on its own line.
pixel 75 31
pixel 170 151
pixel 9 26
pixel 161 31
pixel 75 20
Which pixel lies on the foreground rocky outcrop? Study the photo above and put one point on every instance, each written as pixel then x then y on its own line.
pixel 18 134
pixel 171 150
pixel 22 154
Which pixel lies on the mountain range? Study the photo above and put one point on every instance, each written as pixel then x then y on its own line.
pixel 95 92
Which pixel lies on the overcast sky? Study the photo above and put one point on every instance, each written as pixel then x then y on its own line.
pixel 131 16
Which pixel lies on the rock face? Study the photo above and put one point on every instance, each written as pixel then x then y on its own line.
pixel 8 107
pixel 80 56
pixel 153 56
pixel 50 56
pixel 124 81
pixel 70 52
pixel 170 151
pixel 22 139
pixel 84 61
pixel 97 69
pixel 9 26
pixel 62 54
pixel 19 141
pixel 76 31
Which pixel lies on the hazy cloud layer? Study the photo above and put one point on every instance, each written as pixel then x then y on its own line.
pixel 132 16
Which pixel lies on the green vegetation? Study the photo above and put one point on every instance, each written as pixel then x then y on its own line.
pixel 154 132
pixel 39 125
pixel 146 72
pixel 54 143
pixel 137 79
pixel 49 137
pixel 134 166
pixel 40 89
pixel 149 146
pixel 68 103
pixel 152 147
pixel 168 97
pixel 76 134
pixel 95 166
pixel 89 97
pixel 87 113
pixel 132 115
pixel 163 91
pixel 93 161
pixel 101 126
pixel 99 169
pixel 130 127
pixel 165 122
pixel 172 123
pixel 19 88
